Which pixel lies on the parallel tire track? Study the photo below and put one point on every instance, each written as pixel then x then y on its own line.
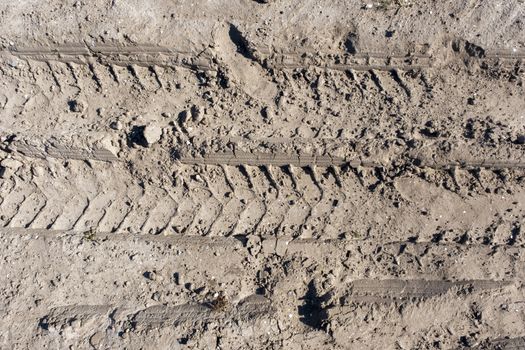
pixel 304 202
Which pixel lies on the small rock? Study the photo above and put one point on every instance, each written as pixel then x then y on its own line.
pixel 13 63
pixel 5 173
pixel 196 114
pixel 254 245
pixel 117 125
pixel 320 81
pixel 75 324
pixel 267 114
pixel 76 106
pixel 183 117
pixel 3 101
pixel 152 134
pixel 166 115
pixel 38 171
pixel 305 132
pixel 151 275
pixel 156 296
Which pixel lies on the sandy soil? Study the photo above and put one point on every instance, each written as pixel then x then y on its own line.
pixel 262 174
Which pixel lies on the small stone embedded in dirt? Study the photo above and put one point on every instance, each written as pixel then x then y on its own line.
pixel 5 173
pixel 3 101
pixel 196 114
pixel 152 134
pixel 183 117
pixel 116 125
pixel 38 170
pixel 320 81
pixel 267 114
pixel 151 275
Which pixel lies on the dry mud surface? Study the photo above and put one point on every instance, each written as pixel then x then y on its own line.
pixel 262 174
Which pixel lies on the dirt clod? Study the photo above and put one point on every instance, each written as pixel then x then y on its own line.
pixel 152 134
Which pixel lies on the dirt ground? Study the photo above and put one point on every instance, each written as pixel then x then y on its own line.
pixel 272 174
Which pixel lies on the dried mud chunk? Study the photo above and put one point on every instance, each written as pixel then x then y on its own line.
pixel 10 163
pixel 152 134
pixel 8 167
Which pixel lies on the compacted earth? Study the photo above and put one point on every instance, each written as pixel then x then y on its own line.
pixel 239 174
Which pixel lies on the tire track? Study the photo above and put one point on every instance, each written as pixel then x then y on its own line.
pixel 379 291
pixel 424 157
pixel 307 202
pixel 14 200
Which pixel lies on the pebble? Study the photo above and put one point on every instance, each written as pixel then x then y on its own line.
pixel 183 117
pixel 196 114
pixel 151 275
pixel 75 324
pixel 3 101
pixel 117 125
pixel 268 115
pixel 38 171
pixel 13 63
pixel 152 134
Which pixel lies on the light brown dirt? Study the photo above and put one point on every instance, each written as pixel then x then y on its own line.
pixel 262 174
